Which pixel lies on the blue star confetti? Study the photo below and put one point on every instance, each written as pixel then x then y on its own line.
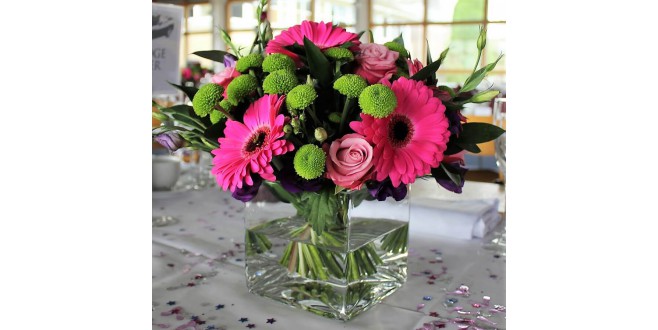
pixel 271 321
pixel 171 303
pixel 218 307
pixel 211 327
pixel 244 319
pixel 251 325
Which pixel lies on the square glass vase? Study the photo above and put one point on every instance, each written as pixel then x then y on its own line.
pixel 332 254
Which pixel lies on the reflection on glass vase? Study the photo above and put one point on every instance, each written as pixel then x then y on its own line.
pixel 337 267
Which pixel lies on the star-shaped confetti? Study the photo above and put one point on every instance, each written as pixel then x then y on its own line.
pixel 211 327
pixel 434 314
pixel 218 307
pixel 244 319
pixel 251 325
pixel 171 303
pixel 271 321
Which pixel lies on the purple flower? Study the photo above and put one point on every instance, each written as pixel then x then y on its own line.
pixel 293 183
pixel 229 60
pixel 444 180
pixel 455 118
pixel 384 189
pixel 247 193
pixel 170 140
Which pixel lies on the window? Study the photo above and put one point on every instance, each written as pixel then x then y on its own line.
pixel 241 18
pixel 444 23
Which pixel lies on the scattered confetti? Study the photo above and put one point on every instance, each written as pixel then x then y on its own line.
pixel 244 319
pixel 271 321
pixel 450 302
pixel 251 325
pixel 434 314
pixel 420 306
pixel 218 307
pixel 171 303
pixel 427 298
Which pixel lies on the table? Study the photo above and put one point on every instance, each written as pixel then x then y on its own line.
pixel 199 282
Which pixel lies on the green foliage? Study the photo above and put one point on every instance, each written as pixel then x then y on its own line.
pixel 474 133
pixel 319 208
pixel 430 70
pixel 318 64
pixel 213 55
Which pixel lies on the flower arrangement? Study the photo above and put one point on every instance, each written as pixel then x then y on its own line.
pixel 323 120
pixel 191 74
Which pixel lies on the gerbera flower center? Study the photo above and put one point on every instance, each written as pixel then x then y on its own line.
pixel 400 131
pixel 256 140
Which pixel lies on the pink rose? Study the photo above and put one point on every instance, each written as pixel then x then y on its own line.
pixel 350 161
pixel 376 62
pixel 225 77
pixel 414 66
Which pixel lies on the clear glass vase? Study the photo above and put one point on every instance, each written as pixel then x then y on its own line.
pixel 333 254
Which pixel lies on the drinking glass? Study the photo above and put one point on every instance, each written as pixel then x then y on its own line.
pixel 497 241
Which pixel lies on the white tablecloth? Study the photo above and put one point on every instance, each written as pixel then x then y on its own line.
pixel 199 281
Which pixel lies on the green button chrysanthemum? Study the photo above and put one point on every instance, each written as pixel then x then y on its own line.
pixel 378 101
pixel 350 85
pixel 279 82
pixel 396 47
pixel 226 105
pixel 249 62
pixel 309 162
pixel 241 87
pixel 216 116
pixel 276 61
pixel 206 98
pixel 339 54
pixel 301 97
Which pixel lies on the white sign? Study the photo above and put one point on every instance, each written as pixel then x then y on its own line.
pixel 167 22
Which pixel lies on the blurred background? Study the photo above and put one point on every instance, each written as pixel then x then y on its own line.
pixel 437 24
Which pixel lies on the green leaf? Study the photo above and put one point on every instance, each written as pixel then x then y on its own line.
pixel 448 90
pixel 429 59
pixel 474 79
pixel 163 129
pixel 482 97
pixel 360 34
pixel 319 208
pixel 470 147
pixel 338 189
pixel 454 177
pixel 399 40
pixel 213 55
pixel 282 194
pixel 215 131
pixel 474 133
pixel 371 37
pixel 318 63
pixel 189 91
pixel 431 69
pixel 179 108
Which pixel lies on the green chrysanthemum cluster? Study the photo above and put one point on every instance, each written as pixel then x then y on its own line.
pixel 301 97
pixel 309 161
pixel 396 47
pixel 279 82
pixel 216 116
pixel 240 88
pixel 250 61
pixel 276 61
pixel 339 54
pixel 378 101
pixel 205 99
pixel 226 105
pixel 350 85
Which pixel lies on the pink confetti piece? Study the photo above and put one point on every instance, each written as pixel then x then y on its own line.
pixel 420 306
pixel 189 325
pixel 163 326
pixel 482 318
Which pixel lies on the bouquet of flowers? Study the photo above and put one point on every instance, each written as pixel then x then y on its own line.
pixel 323 120
pixel 191 74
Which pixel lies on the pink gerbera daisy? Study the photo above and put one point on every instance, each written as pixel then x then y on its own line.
pixel 323 35
pixel 248 148
pixel 412 139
